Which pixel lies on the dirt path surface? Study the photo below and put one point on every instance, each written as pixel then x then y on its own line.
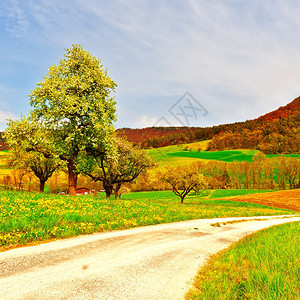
pixel 153 262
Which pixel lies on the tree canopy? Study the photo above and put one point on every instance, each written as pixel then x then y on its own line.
pixel 183 179
pixel 125 167
pixel 31 148
pixel 74 105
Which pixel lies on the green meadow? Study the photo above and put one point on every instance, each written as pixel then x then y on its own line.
pixel 32 217
pixel 177 155
pixel 226 156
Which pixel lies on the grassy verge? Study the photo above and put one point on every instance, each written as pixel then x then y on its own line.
pixel 29 217
pixel 264 265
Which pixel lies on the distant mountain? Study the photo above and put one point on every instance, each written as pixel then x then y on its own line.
pixel 281 126
pixel 273 133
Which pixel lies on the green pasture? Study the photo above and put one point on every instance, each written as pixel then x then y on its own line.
pixel 201 195
pixel 177 155
pixel 164 157
pixel 33 217
pixel 227 156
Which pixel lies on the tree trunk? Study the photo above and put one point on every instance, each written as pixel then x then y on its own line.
pixel 42 186
pixel 72 178
pixel 182 198
pixel 108 189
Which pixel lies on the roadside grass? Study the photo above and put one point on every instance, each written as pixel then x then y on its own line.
pixel 32 217
pixel 264 265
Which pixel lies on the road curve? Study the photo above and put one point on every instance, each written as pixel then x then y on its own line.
pixel 152 262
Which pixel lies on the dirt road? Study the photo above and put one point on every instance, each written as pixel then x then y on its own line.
pixel 153 262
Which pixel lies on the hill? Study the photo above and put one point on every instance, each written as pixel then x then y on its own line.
pixel 140 135
pixel 283 112
pixel 274 132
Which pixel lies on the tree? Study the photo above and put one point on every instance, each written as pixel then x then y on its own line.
pixel 30 149
pixel 288 170
pixel 128 164
pixel 42 167
pixel 18 176
pixel 182 180
pixel 74 104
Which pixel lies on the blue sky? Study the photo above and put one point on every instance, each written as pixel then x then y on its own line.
pixel 237 59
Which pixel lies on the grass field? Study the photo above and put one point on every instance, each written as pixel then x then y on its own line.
pixel 191 198
pixel 30 218
pixel 164 156
pixel 177 155
pixel 195 146
pixel 264 265
pixel 227 156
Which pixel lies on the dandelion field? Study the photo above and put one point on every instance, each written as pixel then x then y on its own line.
pixel 32 217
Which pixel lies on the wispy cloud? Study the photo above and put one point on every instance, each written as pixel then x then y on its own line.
pixel 248 51
pixel 14 18
pixel 238 58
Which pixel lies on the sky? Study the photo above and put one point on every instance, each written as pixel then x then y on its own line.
pixel 176 62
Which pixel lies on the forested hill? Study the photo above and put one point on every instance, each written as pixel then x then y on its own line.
pixel 274 132
pixel 283 111
pixel 140 135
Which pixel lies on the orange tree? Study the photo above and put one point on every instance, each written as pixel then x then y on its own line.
pixel 182 180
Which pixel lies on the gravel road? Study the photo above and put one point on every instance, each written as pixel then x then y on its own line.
pixel 153 262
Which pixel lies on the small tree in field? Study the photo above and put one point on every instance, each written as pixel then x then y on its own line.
pixel 31 150
pixel 182 180
pixel 35 163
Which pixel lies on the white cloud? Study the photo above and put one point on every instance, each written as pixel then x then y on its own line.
pixel 6 115
pixel 145 121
